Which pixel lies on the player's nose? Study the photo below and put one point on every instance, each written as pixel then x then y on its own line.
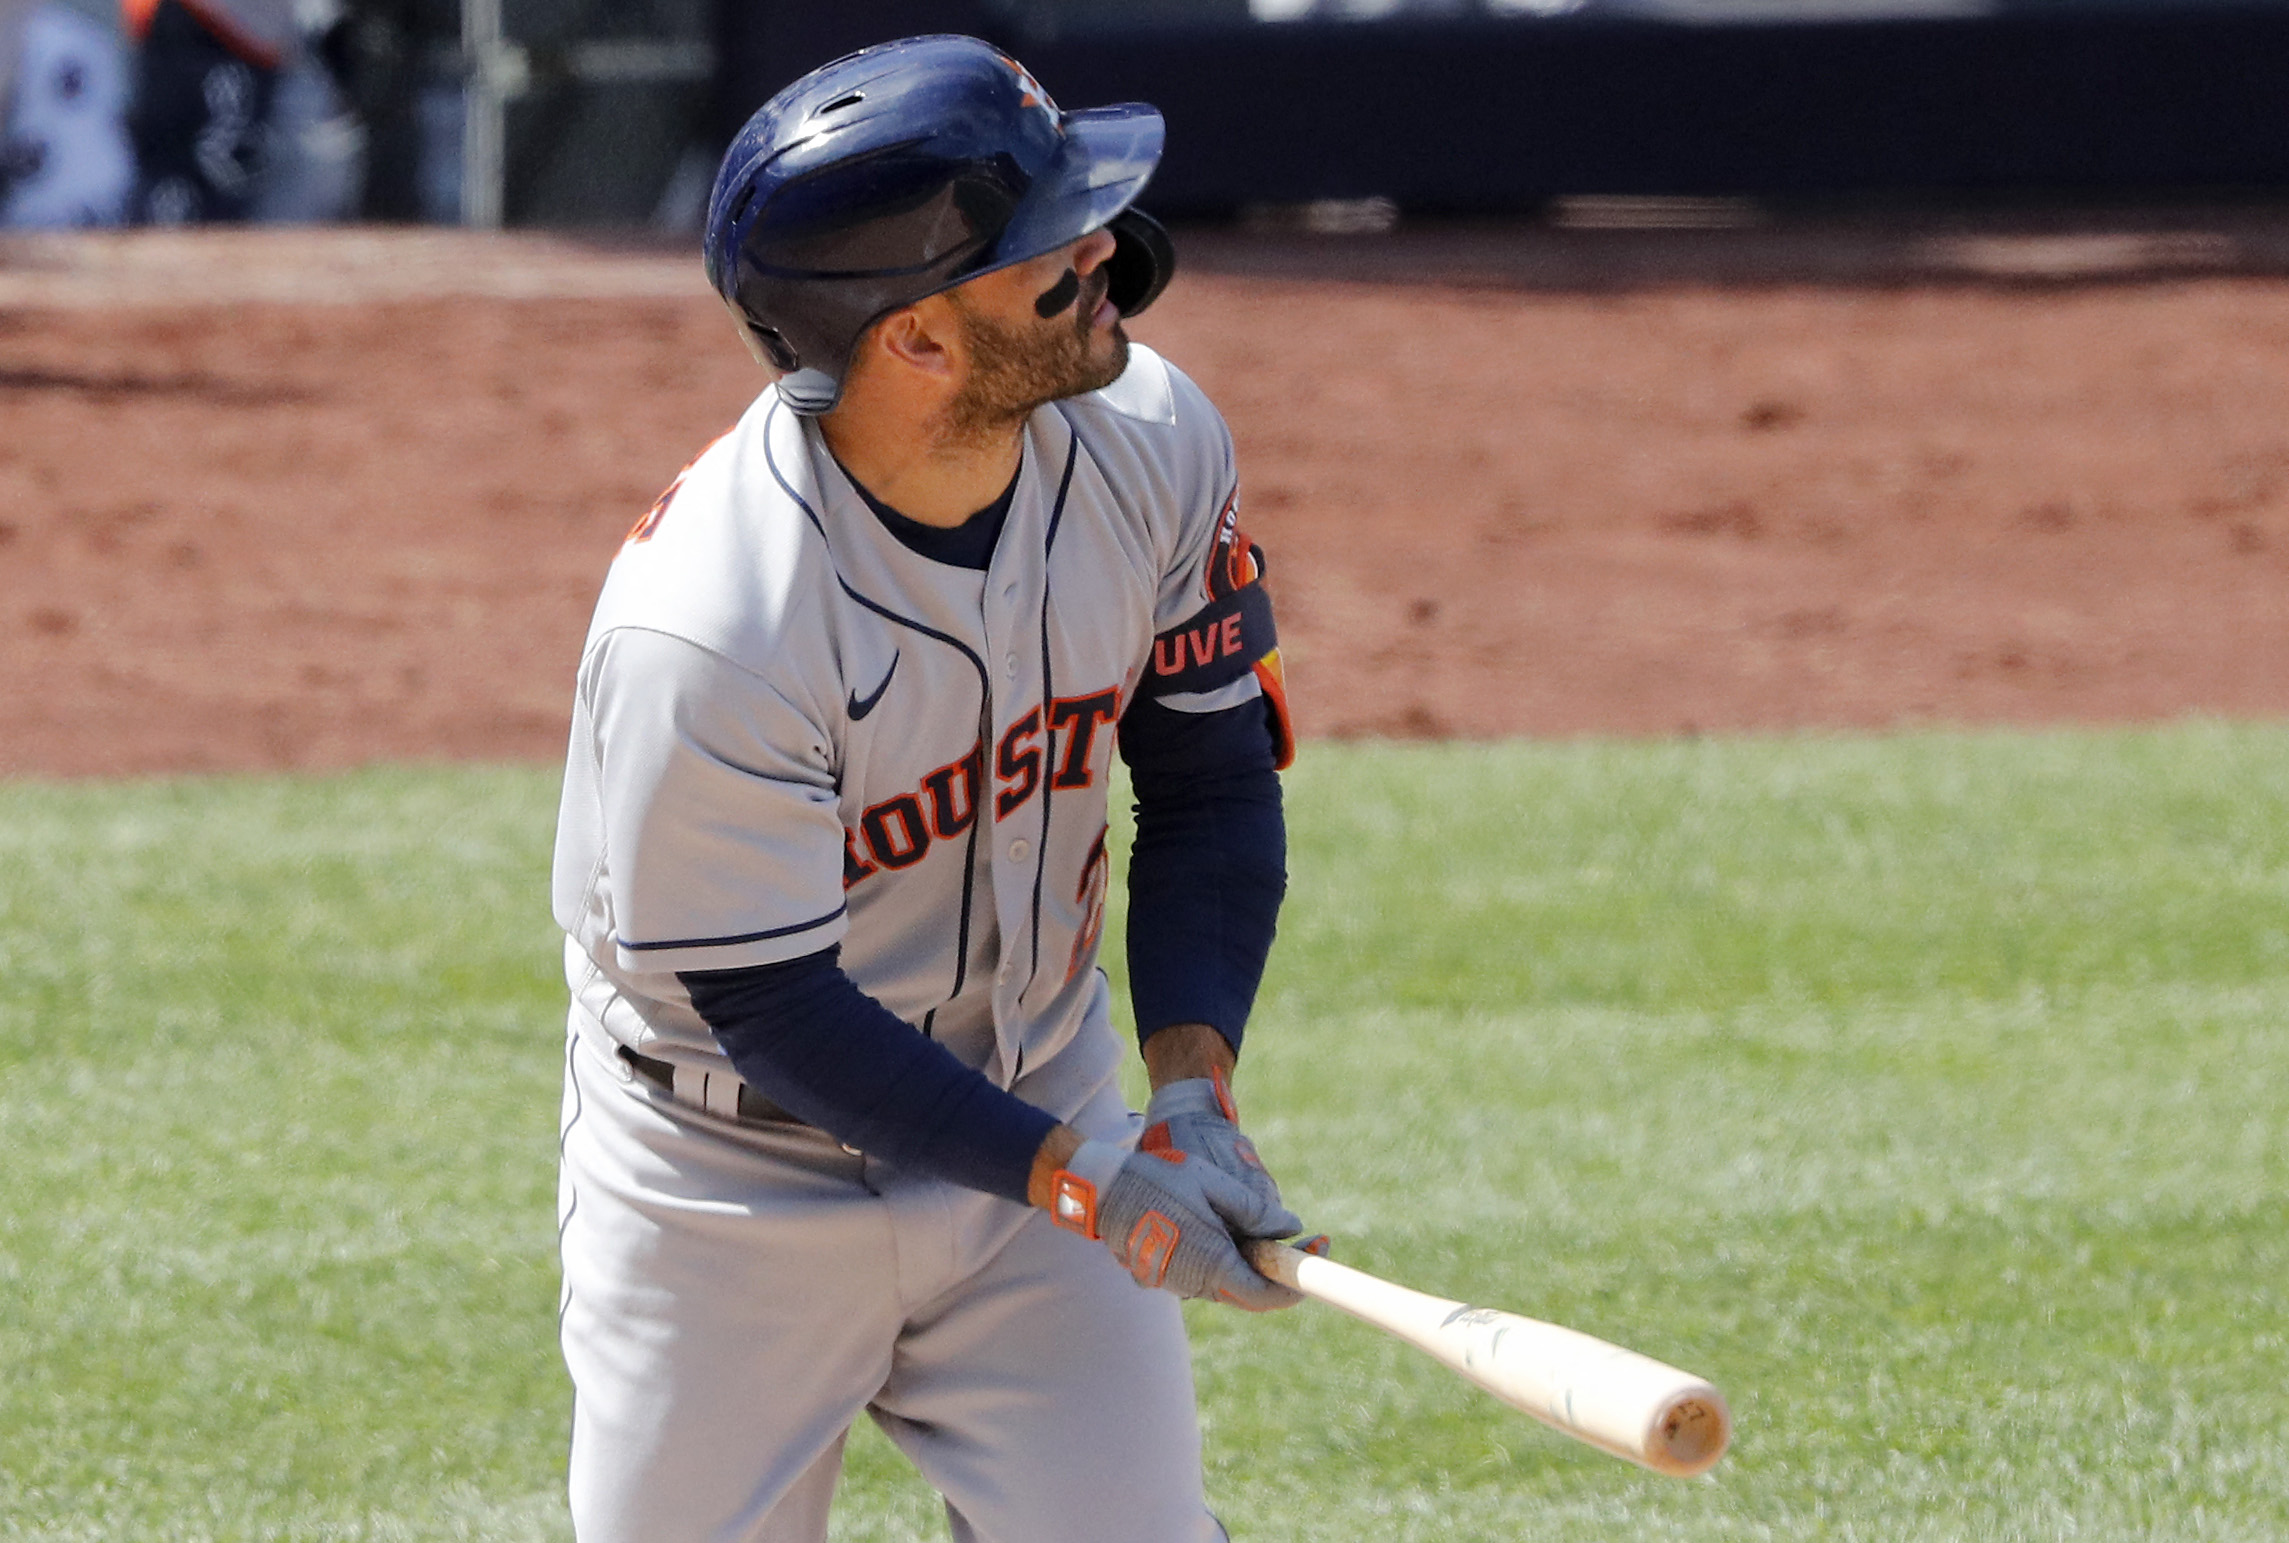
pixel 1091 251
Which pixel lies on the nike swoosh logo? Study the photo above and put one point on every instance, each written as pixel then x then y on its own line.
pixel 858 708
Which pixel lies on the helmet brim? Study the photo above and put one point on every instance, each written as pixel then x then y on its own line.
pixel 1109 154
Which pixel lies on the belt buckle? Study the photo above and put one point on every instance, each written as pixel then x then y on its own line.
pixel 718 1093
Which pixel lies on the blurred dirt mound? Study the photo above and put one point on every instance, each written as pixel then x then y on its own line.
pixel 316 498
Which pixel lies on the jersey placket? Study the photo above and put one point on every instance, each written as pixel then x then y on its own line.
pixel 1020 755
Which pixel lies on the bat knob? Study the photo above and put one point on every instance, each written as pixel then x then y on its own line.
pixel 1693 1434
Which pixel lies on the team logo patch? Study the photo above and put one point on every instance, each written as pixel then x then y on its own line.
pixel 1232 557
pixel 1029 92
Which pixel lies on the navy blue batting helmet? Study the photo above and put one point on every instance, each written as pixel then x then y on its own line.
pixel 906 169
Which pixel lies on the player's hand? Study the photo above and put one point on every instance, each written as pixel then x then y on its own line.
pixel 1165 1222
pixel 1194 1121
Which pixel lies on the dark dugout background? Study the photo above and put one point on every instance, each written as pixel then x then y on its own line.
pixel 1483 115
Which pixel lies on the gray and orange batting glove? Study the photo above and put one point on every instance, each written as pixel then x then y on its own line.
pixel 1166 1222
pixel 1195 1121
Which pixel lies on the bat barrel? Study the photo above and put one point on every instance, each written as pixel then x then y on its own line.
pixel 1614 1399
pixel 1631 1405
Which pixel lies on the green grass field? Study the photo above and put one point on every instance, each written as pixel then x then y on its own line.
pixel 1930 1094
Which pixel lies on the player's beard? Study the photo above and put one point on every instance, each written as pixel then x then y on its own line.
pixel 1014 370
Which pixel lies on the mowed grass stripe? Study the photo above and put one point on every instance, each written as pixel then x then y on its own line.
pixel 1927 1092
pixel 277 1220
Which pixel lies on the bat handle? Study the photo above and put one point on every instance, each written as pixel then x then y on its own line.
pixel 1275 1260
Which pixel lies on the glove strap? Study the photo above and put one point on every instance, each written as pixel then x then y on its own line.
pixel 1073 1203
pixel 1223 1086
pixel 1074 1189
pixel 1211 1094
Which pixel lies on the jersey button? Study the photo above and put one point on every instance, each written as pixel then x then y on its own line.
pixel 1009 663
pixel 1005 972
pixel 1020 850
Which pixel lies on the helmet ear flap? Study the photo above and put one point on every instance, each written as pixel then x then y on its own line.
pixel 1143 261
pixel 807 391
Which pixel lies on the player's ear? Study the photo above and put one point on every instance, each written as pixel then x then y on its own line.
pixel 921 337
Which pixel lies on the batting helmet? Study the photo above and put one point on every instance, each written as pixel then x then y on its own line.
pixel 906 169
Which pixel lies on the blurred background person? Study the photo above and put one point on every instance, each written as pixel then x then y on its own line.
pixel 245 110
pixel 206 76
pixel 395 67
pixel 64 157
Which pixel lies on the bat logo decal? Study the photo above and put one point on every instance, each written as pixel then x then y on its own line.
pixel 1470 1315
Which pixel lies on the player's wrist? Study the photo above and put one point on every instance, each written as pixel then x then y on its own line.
pixel 1193 1097
pixel 1185 1051
pixel 1056 1149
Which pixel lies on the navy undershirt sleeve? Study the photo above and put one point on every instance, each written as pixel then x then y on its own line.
pixel 803 1034
pixel 1209 868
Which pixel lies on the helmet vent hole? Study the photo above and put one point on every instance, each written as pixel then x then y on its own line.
pixel 841 102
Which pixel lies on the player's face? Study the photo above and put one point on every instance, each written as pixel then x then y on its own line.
pixel 1038 332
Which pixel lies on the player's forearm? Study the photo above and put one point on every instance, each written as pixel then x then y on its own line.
pixel 1208 870
pixel 834 1057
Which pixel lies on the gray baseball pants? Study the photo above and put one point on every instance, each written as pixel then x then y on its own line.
pixel 734 1300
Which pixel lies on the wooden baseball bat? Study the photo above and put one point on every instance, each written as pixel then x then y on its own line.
pixel 1616 1400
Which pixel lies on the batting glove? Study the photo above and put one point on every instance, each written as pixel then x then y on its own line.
pixel 1195 1119
pixel 1165 1223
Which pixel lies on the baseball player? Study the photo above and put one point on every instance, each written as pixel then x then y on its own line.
pixel 842 1132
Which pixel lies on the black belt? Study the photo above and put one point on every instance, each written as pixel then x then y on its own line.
pixel 753 1106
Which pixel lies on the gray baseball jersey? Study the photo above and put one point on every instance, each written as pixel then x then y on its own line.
pixel 792 731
